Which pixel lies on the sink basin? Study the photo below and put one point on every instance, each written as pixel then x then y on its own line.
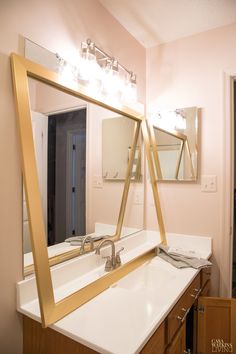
pixel 149 276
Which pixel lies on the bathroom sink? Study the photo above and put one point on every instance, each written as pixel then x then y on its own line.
pixel 149 276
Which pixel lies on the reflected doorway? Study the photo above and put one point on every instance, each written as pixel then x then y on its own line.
pixel 66 175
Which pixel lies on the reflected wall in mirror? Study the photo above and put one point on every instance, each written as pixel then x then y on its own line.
pixel 174 137
pixel 70 147
pixel 117 136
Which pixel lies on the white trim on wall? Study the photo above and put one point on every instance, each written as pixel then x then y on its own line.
pixel 226 255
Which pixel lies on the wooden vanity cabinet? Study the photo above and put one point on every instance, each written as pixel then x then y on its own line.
pixel 38 340
pixel 169 338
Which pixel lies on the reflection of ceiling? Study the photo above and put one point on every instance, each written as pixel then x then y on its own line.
pixel 153 22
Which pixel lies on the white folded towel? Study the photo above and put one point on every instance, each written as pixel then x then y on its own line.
pixel 77 240
pixel 181 252
pixel 180 261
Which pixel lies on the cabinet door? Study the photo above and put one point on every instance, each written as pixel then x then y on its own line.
pixel 178 344
pixel 216 325
pixel 156 344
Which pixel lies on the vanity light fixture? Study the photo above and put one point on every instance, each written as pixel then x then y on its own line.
pixel 111 82
pixel 130 89
pixel 101 74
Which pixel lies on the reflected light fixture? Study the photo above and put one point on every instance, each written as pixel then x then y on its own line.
pixel 180 123
pixel 101 74
pixel 169 119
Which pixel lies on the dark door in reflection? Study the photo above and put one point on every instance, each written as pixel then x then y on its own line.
pixel 66 175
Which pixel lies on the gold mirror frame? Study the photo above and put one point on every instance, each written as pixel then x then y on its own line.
pixel 184 144
pixel 49 309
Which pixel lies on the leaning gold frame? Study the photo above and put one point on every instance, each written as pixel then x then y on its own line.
pixel 49 309
pixel 184 144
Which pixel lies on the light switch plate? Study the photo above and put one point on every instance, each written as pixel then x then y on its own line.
pixel 209 183
pixel 97 181
pixel 138 197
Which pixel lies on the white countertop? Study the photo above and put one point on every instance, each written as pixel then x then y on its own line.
pixel 122 319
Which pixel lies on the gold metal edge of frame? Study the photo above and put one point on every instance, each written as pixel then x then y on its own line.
pixel 127 180
pixel 147 140
pixel 37 234
pixel 157 164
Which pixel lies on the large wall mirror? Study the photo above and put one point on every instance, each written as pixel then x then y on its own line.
pixel 174 137
pixel 55 118
pixel 74 142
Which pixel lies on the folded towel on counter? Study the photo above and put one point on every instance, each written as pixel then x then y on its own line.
pixel 77 240
pixel 182 261
pixel 177 251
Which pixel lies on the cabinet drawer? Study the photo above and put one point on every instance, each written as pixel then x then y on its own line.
pixel 156 344
pixel 178 314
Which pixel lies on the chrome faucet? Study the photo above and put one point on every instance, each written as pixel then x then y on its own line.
pixel 114 260
pixel 90 239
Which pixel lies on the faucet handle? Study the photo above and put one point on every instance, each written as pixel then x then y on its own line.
pixel 118 260
pixel 108 265
pixel 118 252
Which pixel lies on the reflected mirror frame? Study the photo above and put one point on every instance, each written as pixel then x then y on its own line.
pixel 184 143
pixel 50 310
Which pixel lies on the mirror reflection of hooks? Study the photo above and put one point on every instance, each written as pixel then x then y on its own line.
pixel 117 135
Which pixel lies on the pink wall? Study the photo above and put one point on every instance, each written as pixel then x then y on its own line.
pixel 183 73
pixel 189 72
pixel 59 26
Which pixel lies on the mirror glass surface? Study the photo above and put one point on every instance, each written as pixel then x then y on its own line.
pixel 175 135
pixel 72 148
pixel 116 148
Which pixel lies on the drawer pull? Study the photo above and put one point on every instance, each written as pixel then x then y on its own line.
pixel 197 294
pixel 182 319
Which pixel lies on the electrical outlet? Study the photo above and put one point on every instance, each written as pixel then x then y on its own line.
pixel 209 183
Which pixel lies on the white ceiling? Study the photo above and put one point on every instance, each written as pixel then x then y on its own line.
pixel 153 22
